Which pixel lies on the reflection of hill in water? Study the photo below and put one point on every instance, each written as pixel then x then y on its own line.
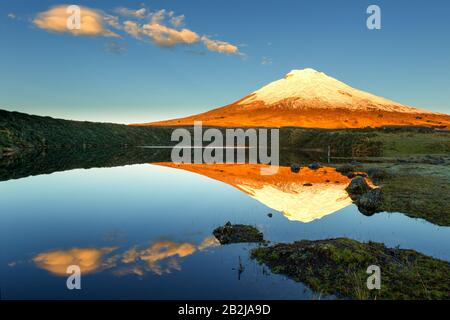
pixel 304 196
pixel 34 163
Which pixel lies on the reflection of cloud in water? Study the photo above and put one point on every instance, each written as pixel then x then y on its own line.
pixel 157 252
pixel 162 256
pixel 208 242
pixel 305 196
pixel 159 257
pixel 88 259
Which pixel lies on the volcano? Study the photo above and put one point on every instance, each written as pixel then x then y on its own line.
pixel 311 99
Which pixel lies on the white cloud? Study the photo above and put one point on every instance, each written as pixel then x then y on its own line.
pixel 113 21
pixel 220 46
pixel 159 33
pixel 177 21
pixel 138 13
pixel 163 28
pixel 55 19
pixel 166 36
pixel 132 28
pixel 12 16
pixel 158 17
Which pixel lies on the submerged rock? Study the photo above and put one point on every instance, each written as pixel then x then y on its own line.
pixel 237 233
pixel 358 186
pixel 339 267
pixel 295 168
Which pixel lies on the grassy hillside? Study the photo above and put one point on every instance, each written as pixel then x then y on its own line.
pixel 369 142
pixel 19 131
pixel 406 143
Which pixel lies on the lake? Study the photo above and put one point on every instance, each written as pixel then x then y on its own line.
pixel 141 227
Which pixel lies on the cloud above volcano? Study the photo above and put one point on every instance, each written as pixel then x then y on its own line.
pixel 161 27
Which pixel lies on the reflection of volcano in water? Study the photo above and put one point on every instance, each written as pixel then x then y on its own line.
pixel 304 196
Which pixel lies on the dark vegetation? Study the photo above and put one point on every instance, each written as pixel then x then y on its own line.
pixel 237 233
pixel 348 142
pixel 19 131
pixel 338 267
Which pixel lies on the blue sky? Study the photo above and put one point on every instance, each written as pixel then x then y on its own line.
pixel 78 77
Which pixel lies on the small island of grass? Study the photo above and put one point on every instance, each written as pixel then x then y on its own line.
pixel 338 267
pixel 237 233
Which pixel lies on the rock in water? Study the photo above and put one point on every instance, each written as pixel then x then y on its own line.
pixel 370 202
pixel 358 186
pixel 237 233
pixel 295 168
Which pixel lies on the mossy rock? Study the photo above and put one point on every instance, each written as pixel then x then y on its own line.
pixel 370 202
pixel 358 186
pixel 339 267
pixel 237 233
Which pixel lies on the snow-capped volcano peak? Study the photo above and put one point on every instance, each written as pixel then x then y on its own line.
pixel 311 88
pixel 311 99
pixel 308 72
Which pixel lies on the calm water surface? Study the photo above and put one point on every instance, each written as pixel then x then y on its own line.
pixel 145 231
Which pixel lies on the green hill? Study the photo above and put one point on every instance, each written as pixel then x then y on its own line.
pixel 20 131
